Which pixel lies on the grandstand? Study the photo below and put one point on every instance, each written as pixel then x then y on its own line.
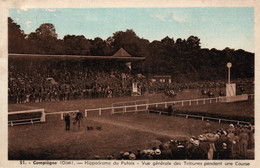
pixel 44 88
pixel 40 78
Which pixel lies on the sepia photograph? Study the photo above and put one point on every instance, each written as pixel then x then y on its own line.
pixel 159 83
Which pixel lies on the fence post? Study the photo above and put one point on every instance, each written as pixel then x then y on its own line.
pixel 43 118
pixel 99 111
pixel 190 102
pixel 165 105
pixel 216 99
pixel 31 121
pixel 182 103
pixel 113 110
pixel 156 105
pixel 86 113
pixel 61 116
pixel 135 108
pixel 197 102
pixel 219 120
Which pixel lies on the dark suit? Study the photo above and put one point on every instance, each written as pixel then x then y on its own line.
pixel 67 120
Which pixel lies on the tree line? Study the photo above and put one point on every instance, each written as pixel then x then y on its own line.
pixel 183 59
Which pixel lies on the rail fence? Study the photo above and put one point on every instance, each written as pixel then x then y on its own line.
pixel 202 117
pixel 15 120
pixel 144 107
pixel 26 117
pixel 62 113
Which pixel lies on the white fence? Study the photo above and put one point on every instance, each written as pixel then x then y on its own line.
pixel 61 113
pixel 204 117
pixel 144 107
pixel 25 117
pixel 121 110
pixel 117 110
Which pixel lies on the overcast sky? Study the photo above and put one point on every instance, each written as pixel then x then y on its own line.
pixel 216 27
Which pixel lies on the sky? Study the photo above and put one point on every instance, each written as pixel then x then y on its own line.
pixel 217 27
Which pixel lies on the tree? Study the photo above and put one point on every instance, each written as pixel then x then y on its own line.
pixel 76 45
pixel 130 42
pixel 98 46
pixel 44 39
pixel 46 30
pixel 193 42
pixel 16 37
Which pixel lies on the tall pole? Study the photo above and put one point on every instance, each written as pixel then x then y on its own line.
pixel 229 65
pixel 228 75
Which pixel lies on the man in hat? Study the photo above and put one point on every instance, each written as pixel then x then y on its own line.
pixel 78 119
pixel 138 154
pixel 126 156
pixel 132 156
pixel 181 151
pixel 170 110
pixel 211 138
pixel 121 154
pixel 250 136
pixel 143 155
pixel 231 128
pixel 157 155
pixel 231 141
pixel 207 126
pixel 67 121
pixel 110 157
pixel 189 148
pixel 196 152
pixel 97 157
pixel 223 152
pixel 166 152
pixel 243 140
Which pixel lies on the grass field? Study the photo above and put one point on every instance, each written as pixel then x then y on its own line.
pixel 127 132
pixel 120 132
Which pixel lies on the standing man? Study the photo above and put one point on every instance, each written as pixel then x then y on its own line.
pixel 243 140
pixel 67 120
pixel 78 118
pixel 208 126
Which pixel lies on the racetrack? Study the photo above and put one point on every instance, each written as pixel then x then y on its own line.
pixel 122 132
pixel 119 132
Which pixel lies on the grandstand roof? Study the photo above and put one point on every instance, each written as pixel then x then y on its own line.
pixel 121 53
pixel 76 56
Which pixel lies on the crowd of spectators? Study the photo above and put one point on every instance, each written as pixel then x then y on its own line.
pixel 63 80
pixel 60 80
pixel 231 143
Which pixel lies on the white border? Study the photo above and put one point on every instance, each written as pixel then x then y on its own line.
pixel 5 5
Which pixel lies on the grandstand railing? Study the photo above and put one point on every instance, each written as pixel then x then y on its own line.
pixel 32 120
